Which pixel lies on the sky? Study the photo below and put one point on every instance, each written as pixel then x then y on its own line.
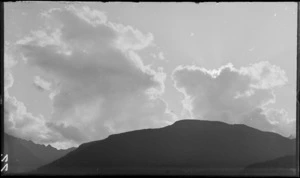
pixel 79 72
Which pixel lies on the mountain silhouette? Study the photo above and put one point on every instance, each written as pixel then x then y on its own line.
pixel 283 166
pixel 185 147
pixel 24 156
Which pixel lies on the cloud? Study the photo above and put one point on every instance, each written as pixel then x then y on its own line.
pixel 130 38
pixel 99 84
pixel 41 83
pixel 21 123
pixel 281 121
pixel 270 119
pixel 9 63
pixel 8 81
pixel 161 56
pixel 68 132
pixel 232 95
pixel 18 121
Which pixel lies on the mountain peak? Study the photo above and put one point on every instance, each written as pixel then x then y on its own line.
pixel 197 121
pixel 198 124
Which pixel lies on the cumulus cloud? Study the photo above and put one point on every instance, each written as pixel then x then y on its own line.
pixel 21 123
pixel 9 63
pixel 41 83
pixel 270 119
pixel 68 132
pixel 99 84
pixel 235 96
pixel 8 81
pixel 161 56
pixel 130 38
pixel 18 121
pixel 280 121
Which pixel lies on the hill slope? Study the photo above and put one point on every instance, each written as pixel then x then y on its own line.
pixel 281 166
pixel 199 147
pixel 25 155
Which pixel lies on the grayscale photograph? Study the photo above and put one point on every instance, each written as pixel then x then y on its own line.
pixel 149 88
